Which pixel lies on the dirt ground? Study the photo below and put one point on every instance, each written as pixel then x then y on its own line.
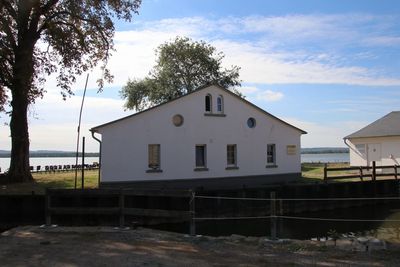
pixel 100 246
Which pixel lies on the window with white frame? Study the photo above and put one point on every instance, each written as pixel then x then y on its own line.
pixel 220 104
pixel 154 156
pixel 231 155
pixel 271 154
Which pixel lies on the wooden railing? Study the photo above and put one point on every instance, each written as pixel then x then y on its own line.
pixel 119 208
pixel 361 172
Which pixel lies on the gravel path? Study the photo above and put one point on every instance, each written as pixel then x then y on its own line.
pixel 101 246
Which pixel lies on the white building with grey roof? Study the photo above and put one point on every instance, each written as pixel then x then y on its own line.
pixel 209 138
pixel 378 141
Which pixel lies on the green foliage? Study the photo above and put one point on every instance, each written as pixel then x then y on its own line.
pixel 74 36
pixel 182 66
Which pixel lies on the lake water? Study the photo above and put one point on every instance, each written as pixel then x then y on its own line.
pixel 305 158
pixel 5 162
pixel 325 158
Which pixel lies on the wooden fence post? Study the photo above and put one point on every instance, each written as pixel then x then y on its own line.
pixel 395 171
pixel 273 215
pixel 373 170
pixel 48 206
pixel 325 172
pixel 361 174
pixel 121 209
pixel 192 208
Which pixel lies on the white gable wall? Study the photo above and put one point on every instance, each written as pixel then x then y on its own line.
pixel 125 143
pixel 376 148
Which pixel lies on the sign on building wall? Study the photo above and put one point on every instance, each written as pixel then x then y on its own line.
pixel 291 149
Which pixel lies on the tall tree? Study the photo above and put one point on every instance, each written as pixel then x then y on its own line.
pixel 41 37
pixel 182 66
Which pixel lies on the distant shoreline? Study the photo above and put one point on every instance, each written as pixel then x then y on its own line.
pixel 70 154
pixel 60 155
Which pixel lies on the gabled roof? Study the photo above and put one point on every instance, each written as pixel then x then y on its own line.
pixel 94 129
pixel 389 125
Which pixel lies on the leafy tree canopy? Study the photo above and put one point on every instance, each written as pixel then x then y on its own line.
pixel 41 37
pixel 182 66
pixel 64 36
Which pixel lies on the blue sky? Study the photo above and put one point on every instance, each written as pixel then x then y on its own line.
pixel 328 67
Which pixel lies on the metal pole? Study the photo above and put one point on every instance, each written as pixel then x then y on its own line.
pixel 273 216
pixel 83 162
pixel 79 131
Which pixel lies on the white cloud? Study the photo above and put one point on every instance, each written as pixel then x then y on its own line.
pixel 269 96
pixel 383 40
pixel 246 90
pixel 325 134
pixel 271 56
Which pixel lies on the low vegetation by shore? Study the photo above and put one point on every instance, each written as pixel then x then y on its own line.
pixel 43 180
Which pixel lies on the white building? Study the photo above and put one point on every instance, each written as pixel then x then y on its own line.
pixel 208 138
pixel 378 141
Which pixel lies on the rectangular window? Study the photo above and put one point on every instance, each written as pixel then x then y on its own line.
pixel 360 148
pixel 200 156
pixel 231 155
pixel 154 156
pixel 271 154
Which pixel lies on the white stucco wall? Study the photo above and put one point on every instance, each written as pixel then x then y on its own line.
pixel 387 145
pixel 125 143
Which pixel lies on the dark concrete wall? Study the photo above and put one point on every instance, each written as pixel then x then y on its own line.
pixel 209 183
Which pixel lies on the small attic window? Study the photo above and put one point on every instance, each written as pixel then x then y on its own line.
pixel 220 104
pixel 251 122
pixel 208 101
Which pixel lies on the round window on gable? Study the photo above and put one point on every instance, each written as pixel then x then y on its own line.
pixel 251 122
pixel 177 120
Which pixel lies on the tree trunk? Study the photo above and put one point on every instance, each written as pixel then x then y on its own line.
pixel 19 170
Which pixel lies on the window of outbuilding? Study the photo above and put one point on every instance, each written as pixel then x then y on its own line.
pixel 361 149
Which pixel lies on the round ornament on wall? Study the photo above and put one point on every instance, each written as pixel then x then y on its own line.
pixel 177 120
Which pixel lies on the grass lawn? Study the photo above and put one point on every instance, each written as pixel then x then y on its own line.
pixel 311 173
pixel 52 180
pixel 315 171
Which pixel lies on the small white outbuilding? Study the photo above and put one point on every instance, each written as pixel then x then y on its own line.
pixel 378 141
pixel 209 138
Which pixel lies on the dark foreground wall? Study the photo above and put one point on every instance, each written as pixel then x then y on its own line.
pixel 30 209
pixel 21 210
pixel 224 183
